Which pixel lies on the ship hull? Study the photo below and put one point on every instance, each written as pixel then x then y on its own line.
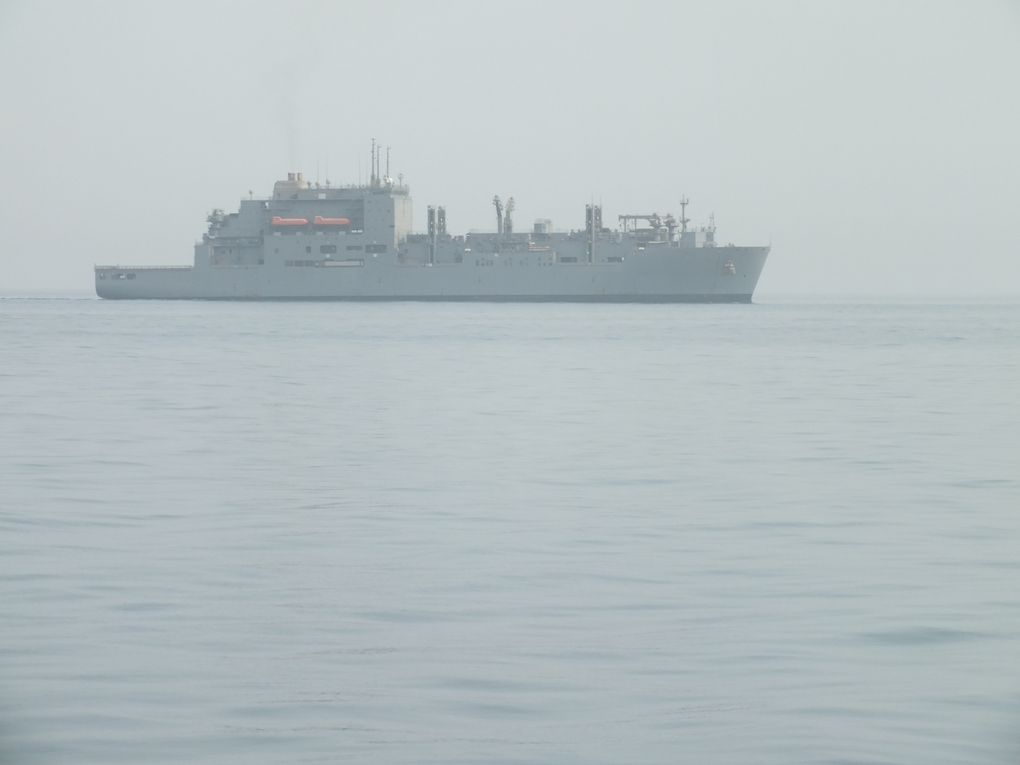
pixel 671 275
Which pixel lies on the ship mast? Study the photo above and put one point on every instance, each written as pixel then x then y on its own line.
pixel 371 165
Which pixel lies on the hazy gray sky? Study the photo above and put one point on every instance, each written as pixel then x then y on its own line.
pixel 876 144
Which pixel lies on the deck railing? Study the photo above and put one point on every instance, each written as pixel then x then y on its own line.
pixel 144 268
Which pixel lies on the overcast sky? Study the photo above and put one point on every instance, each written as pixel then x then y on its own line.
pixel 875 144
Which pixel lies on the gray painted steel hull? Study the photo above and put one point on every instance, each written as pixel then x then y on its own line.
pixel 666 275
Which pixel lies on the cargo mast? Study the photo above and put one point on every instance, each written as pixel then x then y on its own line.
pixel 498 204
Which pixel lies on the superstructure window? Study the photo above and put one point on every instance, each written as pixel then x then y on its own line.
pixel 354 247
pixel 327 248
pixel 375 248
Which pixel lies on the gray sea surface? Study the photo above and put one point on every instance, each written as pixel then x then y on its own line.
pixel 493 533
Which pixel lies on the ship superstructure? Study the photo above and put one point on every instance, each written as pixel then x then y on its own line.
pixel 317 241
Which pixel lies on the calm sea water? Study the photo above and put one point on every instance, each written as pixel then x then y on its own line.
pixel 415 533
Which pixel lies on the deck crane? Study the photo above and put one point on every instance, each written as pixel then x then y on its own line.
pixel 498 204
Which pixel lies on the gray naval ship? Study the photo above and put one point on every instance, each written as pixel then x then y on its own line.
pixel 321 242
